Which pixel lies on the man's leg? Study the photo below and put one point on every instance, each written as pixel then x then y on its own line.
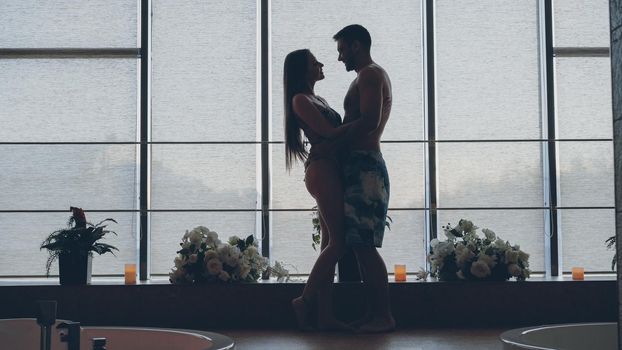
pixel 376 282
pixel 349 268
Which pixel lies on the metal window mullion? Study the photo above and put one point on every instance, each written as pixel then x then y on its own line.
pixel 430 217
pixel 550 147
pixel 581 51
pixel 145 147
pixel 281 142
pixel 265 131
pixel 68 52
pixel 245 210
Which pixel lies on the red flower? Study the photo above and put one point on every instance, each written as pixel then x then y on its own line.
pixel 78 216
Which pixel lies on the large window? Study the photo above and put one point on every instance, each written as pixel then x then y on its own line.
pixel 397 47
pixel 584 122
pixel 489 119
pixel 472 132
pixel 69 114
pixel 204 122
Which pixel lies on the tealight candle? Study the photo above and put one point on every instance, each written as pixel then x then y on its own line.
pixel 578 274
pixel 400 273
pixel 130 273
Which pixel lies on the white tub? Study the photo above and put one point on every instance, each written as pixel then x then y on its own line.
pixel 574 336
pixel 24 333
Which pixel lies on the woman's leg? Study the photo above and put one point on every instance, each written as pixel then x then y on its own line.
pixel 324 236
pixel 325 295
pixel 326 317
pixel 324 184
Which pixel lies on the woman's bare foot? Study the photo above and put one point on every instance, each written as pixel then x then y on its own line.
pixel 378 325
pixel 302 313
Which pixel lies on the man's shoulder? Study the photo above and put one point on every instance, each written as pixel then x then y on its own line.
pixel 373 72
pixel 373 68
pixel 370 75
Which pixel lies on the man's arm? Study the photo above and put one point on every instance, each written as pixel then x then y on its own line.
pixel 370 102
pixel 370 92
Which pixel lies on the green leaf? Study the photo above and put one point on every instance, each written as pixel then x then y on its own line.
pixel 102 248
pixel 611 241
pixel 106 220
pixel 250 239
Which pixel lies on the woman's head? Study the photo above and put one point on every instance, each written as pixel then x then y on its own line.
pixel 300 71
pixel 295 70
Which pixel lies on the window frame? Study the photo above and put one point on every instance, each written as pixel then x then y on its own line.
pixel 547 52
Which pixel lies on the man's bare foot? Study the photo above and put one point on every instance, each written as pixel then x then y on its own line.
pixel 378 325
pixel 334 325
pixel 302 313
pixel 361 321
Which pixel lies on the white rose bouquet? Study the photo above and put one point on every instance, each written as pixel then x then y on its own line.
pixel 466 256
pixel 204 258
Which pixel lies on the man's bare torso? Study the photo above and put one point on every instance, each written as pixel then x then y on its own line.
pixel 352 110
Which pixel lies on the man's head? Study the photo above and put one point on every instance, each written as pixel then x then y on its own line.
pixel 353 42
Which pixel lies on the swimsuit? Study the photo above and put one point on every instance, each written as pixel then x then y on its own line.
pixel 314 138
pixel 366 198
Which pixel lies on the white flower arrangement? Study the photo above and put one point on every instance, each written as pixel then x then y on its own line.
pixel 466 256
pixel 279 271
pixel 204 258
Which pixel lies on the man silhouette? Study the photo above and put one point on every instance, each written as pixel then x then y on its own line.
pixel 367 106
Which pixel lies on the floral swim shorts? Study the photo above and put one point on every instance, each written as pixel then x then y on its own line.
pixel 366 198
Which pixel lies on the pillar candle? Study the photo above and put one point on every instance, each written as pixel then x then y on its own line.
pixel 578 273
pixel 400 273
pixel 130 273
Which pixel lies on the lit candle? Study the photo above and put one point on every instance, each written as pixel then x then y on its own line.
pixel 578 273
pixel 400 273
pixel 130 273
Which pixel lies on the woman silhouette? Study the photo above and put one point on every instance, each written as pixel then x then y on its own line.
pixel 309 114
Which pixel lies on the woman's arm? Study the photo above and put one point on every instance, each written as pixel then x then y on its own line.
pixel 311 116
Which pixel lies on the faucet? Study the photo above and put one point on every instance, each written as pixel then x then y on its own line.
pixel 72 337
pixel 46 317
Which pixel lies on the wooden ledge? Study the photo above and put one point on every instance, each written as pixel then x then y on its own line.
pixel 267 305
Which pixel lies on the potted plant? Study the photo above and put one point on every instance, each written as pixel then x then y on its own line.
pixel 74 246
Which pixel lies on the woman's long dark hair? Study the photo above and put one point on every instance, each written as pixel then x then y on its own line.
pixel 294 82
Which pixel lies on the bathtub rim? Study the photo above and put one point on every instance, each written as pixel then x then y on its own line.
pixel 512 336
pixel 219 341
